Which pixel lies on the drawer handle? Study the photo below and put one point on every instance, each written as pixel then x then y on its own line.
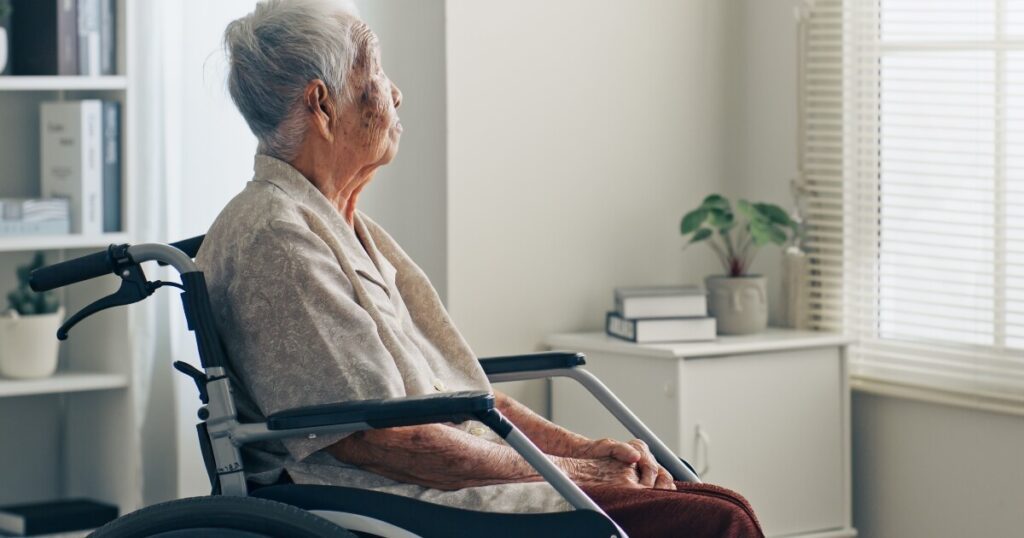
pixel 702 445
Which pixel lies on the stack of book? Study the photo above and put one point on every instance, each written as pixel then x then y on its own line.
pixel 80 161
pixel 48 216
pixel 660 314
pixel 63 37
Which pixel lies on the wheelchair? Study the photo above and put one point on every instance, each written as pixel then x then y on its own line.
pixel 234 509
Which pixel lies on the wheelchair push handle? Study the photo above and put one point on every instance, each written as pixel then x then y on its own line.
pixel 112 259
pixel 74 270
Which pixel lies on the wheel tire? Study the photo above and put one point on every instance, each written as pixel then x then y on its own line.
pixel 247 515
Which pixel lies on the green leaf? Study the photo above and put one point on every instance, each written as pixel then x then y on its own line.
pixel 24 271
pixel 749 211
pixel 759 233
pixel 716 201
pixel 764 232
pixel 721 220
pixel 775 214
pixel 701 235
pixel 693 220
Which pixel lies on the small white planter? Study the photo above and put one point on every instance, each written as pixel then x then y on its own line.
pixel 3 48
pixel 29 345
pixel 738 304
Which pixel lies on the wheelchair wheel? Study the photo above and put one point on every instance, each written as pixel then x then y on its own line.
pixel 221 516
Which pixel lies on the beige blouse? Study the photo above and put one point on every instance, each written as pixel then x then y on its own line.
pixel 314 311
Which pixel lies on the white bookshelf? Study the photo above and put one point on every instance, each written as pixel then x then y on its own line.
pixel 63 83
pixel 62 382
pixel 73 434
pixel 60 242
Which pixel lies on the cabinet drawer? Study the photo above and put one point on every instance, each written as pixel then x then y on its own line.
pixel 770 425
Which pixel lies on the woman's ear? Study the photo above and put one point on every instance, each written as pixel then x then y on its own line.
pixel 321 107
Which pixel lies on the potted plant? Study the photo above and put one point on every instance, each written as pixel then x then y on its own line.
pixel 737 300
pixel 28 342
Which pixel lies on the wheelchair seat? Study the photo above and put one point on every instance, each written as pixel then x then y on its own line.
pixel 372 508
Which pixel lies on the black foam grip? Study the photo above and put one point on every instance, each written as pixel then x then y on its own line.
pixel 71 271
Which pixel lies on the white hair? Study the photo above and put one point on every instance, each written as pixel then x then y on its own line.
pixel 274 52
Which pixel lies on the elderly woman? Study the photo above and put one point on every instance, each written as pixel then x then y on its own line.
pixel 318 304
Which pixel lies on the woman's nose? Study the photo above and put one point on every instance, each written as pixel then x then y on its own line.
pixel 396 95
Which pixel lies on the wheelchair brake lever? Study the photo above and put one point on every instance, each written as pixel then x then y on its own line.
pixel 134 288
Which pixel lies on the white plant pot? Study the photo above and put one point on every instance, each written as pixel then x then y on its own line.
pixel 738 304
pixel 3 49
pixel 29 345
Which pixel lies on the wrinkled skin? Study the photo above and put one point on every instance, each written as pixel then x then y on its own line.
pixel 375 105
pixel 345 146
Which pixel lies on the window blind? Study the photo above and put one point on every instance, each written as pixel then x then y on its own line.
pixel 912 140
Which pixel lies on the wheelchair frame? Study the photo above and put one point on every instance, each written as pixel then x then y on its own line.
pixel 221 435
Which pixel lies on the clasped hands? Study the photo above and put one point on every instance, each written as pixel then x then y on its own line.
pixel 611 462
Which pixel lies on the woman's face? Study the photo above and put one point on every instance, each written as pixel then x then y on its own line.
pixel 370 121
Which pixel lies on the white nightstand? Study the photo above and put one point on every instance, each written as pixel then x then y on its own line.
pixel 767 415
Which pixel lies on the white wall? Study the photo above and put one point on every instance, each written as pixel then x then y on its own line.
pixel 760 146
pixel 919 469
pixel 927 470
pixel 408 196
pixel 579 133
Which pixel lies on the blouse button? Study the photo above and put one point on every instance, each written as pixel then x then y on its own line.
pixel 439 385
pixel 478 430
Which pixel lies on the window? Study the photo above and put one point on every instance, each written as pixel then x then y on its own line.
pixel 913 163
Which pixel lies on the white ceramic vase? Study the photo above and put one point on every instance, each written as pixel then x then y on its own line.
pixel 28 345
pixel 738 304
pixel 794 267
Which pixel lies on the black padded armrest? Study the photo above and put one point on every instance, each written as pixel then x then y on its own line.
pixel 545 360
pixel 428 409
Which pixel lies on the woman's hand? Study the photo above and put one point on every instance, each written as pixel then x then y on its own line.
pixel 600 472
pixel 560 442
pixel 635 452
pixel 652 474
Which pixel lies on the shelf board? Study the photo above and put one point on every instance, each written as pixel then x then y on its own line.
pixel 56 83
pixel 62 382
pixel 59 242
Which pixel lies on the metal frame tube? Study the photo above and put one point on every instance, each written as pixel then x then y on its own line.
pixel 543 465
pixel 162 253
pixel 668 459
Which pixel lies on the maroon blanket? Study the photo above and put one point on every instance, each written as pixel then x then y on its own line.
pixel 694 510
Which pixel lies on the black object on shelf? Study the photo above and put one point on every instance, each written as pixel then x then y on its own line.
pixel 44 37
pixel 5 37
pixel 51 517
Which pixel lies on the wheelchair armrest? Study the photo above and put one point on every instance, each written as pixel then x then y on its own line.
pixel 529 362
pixel 386 413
